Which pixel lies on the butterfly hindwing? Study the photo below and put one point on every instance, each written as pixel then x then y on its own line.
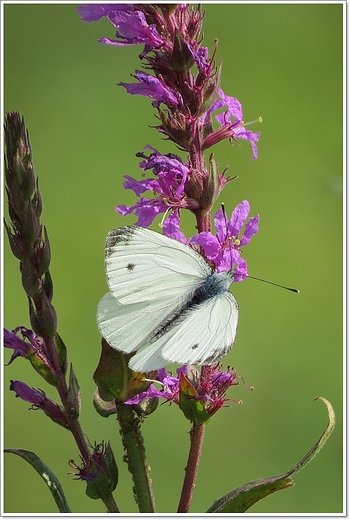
pixel 203 336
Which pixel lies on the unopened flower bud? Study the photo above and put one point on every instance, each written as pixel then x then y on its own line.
pixel 40 401
pixel 181 58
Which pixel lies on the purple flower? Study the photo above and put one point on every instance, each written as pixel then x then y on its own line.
pixel 167 186
pixel 27 393
pixel 234 108
pixel 131 24
pixel 169 387
pixel 154 88
pixel 21 347
pixel 208 386
pixel 95 466
pixel 33 348
pixel 17 344
pixel 224 248
pixel 201 58
pixel 94 12
pixel 171 227
pixel 231 121
pixel 39 401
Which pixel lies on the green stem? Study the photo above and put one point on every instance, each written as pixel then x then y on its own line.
pixel 197 436
pixel 110 504
pixel 136 459
pixel 74 423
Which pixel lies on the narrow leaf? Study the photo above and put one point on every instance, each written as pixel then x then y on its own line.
pixel 243 497
pixel 321 441
pixel 47 475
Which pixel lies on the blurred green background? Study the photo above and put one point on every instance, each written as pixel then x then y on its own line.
pixel 284 63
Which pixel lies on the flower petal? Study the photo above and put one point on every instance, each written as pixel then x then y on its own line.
pixel 240 213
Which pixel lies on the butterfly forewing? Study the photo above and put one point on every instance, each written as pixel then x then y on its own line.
pixel 128 327
pixel 142 265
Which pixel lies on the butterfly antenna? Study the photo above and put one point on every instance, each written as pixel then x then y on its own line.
pixel 224 213
pixel 273 283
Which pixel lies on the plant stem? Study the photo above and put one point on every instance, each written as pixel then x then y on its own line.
pixel 197 436
pixel 110 504
pixel 73 421
pixel 74 424
pixel 134 445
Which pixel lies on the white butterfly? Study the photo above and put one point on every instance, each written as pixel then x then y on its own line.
pixel 165 302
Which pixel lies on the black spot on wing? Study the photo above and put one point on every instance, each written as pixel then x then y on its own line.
pixel 130 266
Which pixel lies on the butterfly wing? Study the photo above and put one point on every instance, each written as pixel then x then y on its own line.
pixel 150 277
pixel 127 327
pixel 204 335
pixel 143 265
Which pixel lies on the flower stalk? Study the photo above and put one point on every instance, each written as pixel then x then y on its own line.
pixel 30 245
pixel 196 443
pixel 135 457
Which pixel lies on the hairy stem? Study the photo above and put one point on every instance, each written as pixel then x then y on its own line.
pixel 136 457
pixel 197 435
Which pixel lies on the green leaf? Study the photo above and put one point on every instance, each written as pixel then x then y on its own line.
pixel 193 409
pixel 243 497
pixel 47 475
pixel 114 378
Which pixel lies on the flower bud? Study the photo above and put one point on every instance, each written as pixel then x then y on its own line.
pixel 31 228
pixel 100 473
pixel 211 186
pixel 104 408
pixel 48 317
pixel 43 255
pixel 40 401
pixel 30 280
pixel 181 58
